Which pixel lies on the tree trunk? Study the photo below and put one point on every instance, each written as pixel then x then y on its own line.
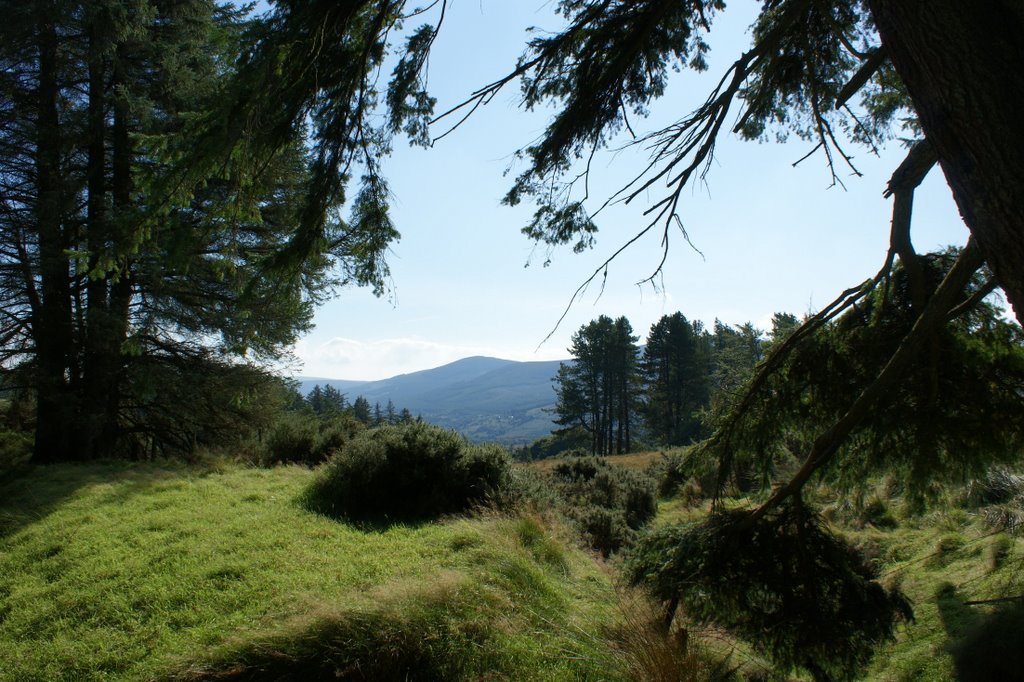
pixel 116 330
pixel 961 63
pixel 56 411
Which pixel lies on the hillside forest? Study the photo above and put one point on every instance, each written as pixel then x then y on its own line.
pixel 183 182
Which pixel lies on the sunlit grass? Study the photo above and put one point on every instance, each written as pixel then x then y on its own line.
pixel 633 460
pixel 131 572
pixel 126 572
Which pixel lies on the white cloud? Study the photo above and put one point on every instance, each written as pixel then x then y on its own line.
pixel 344 358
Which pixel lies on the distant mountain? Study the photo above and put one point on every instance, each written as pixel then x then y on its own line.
pixel 487 399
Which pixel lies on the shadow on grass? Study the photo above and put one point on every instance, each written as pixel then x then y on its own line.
pixel 374 523
pixel 35 492
pixel 986 641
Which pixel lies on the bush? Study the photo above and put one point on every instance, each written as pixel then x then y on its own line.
pixel 554 445
pixel 334 434
pixel 672 474
pixel 799 594
pixel 300 438
pixel 607 503
pixel 407 472
pixel 15 449
pixel 605 529
pixel 682 472
pixel 293 440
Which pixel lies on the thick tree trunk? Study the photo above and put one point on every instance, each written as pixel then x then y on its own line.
pixel 56 411
pixel 962 65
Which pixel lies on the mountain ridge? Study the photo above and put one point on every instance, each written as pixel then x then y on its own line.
pixel 484 398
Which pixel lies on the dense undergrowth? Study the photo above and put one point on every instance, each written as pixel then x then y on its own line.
pixel 408 472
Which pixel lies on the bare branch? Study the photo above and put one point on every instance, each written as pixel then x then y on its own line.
pixel 875 59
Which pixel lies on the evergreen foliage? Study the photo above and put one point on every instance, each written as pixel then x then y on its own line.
pixel 127 287
pixel 676 373
pixel 597 391
pixel 949 418
pixel 784 583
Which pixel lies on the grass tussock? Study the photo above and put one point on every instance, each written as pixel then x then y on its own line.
pixel 650 653
pixel 445 631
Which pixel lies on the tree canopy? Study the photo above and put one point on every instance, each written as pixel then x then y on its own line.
pixel 598 391
pixel 126 282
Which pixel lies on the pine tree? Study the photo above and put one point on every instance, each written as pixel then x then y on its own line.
pixel 361 410
pixel 676 368
pixel 597 391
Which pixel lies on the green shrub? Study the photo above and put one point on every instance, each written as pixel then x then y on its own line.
pixel 407 472
pixel 15 449
pixel 578 465
pixel 302 438
pixel 671 474
pixel 638 499
pixel 533 492
pixel 605 529
pixel 292 440
pixel 796 592
pixel 683 472
pixel 334 434
pixel 607 503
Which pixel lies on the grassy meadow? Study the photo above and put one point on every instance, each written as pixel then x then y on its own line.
pixel 118 571
pixel 126 572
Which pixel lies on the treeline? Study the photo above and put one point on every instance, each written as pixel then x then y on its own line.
pixel 615 395
pixel 327 401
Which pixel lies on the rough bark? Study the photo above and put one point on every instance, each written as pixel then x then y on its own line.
pixel 961 63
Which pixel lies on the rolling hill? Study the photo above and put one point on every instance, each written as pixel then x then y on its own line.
pixel 487 399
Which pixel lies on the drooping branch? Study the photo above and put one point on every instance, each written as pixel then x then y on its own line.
pixel 929 320
pixel 721 439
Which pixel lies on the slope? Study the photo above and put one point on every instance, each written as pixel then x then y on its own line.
pixel 487 399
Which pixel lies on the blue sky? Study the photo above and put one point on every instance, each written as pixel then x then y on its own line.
pixel 466 282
